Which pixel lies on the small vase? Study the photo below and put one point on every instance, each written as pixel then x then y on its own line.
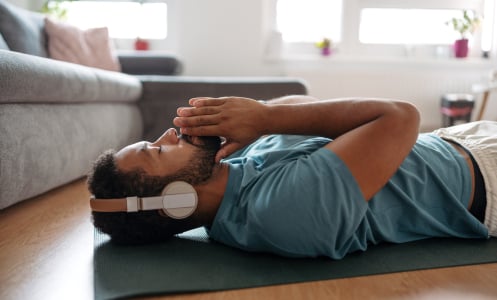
pixel 326 51
pixel 461 48
pixel 141 44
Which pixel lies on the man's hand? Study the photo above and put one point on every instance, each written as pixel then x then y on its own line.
pixel 238 120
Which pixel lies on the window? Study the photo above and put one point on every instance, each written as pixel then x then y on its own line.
pixel 381 27
pixel 310 20
pixel 406 26
pixel 125 20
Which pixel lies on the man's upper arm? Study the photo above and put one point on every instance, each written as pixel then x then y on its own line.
pixel 373 152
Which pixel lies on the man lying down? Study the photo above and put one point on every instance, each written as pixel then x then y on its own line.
pixel 300 177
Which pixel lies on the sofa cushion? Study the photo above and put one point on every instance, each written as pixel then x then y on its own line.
pixel 91 47
pixel 3 44
pixel 28 78
pixel 22 30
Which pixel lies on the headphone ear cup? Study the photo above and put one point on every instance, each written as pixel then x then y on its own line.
pixel 179 200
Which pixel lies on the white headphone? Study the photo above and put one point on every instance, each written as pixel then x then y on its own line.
pixel 178 200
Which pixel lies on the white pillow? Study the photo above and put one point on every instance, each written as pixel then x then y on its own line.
pixel 91 47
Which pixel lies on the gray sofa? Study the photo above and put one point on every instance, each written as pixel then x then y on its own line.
pixel 56 117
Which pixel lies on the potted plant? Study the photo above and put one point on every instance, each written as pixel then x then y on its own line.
pixel 55 9
pixel 325 45
pixel 465 26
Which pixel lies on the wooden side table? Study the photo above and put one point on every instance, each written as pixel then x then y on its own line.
pixel 486 89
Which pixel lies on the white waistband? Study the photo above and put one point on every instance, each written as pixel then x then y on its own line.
pixel 480 138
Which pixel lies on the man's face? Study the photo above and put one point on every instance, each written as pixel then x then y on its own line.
pixel 169 154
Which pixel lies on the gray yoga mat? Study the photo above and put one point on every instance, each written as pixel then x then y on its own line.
pixel 192 263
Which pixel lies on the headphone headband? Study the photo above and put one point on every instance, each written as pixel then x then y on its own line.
pixel 178 200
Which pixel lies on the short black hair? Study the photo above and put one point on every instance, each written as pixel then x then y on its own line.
pixel 106 181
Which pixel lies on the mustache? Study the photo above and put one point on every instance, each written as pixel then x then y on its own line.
pixel 211 142
pixel 187 138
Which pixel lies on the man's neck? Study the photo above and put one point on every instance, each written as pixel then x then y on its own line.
pixel 211 194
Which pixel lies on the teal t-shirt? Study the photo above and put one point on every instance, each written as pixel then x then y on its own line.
pixel 290 196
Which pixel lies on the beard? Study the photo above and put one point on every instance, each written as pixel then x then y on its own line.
pixel 208 143
pixel 202 163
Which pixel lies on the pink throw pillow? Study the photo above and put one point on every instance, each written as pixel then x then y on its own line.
pixel 91 47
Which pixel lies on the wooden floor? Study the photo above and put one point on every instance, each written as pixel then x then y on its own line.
pixel 46 253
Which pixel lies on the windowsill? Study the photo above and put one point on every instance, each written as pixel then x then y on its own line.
pixel 315 60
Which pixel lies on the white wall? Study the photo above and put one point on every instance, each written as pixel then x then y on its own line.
pixel 224 37
pixel 229 38
pixel 417 81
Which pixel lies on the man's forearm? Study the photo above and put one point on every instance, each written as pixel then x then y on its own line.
pixel 234 116
pixel 331 118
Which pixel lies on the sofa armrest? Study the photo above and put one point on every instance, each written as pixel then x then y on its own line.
pixel 162 95
pixel 149 63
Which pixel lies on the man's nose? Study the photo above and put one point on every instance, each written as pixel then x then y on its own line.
pixel 169 136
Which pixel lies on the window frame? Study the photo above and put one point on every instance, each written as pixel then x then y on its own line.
pixel 351 46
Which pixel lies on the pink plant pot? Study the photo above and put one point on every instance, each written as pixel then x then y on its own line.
pixel 326 51
pixel 461 48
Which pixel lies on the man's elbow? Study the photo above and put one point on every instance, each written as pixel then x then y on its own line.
pixel 411 114
pixel 409 119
